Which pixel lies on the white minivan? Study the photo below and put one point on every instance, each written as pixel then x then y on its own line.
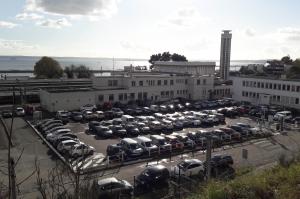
pixel 146 144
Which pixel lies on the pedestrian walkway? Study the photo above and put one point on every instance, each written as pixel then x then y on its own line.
pixel 82 164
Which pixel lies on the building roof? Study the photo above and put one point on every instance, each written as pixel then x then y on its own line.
pixel 182 63
pixel 266 78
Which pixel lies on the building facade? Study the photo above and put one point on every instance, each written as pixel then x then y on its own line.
pixel 142 86
pixel 225 54
pixel 259 90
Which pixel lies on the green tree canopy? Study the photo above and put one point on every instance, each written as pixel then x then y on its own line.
pixel 166 56
pixel 287 60
pixel 47 67
pixel 294 71
pixel 80 71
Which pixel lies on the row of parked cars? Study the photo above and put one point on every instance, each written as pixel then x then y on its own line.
pixel 66 142
pixel 147 146
pixel 18 112
pixel 132 126
pixel 157 176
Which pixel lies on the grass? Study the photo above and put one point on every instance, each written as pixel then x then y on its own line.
pixel 280 182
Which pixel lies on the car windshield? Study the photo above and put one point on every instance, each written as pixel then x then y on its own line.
pixel 183 164
pixel 161 142
pixel 134 146
pixel 148 144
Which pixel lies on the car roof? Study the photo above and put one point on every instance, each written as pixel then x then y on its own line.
pixel 107 181
pixel 129 140
pixel 158 167
pixel 143 138
pixel 193 161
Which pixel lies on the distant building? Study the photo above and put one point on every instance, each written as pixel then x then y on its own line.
pixel 269 91
pixel 185 80
pixel 225 54
pixel 192 68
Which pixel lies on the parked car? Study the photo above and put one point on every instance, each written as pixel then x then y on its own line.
pixel 188 143
pixel 76 116
pixel 66 145
pixel 244 132
pixel 81 149
pixel 89 115
pixel 104 131
pixel 153 176
pixel 174 141
pixel 147 145
pixel 118 130
pixel 282 114
pixel 132 130
pixel 115 152
pixel 117 112
pixel 88 107
pixel 143 128
pixel 161 142
pixel 51 136
pixel 222 135
pixel 234 134
pixel 6 114
pixel 154 108
pixel 100 115
pixel 113 188
pixel 20 112
pixel 109 114
pixel 188 167
pixel 221 160
pixel 67 136
pixel 131 147
pixel 53 130
pixel 63 116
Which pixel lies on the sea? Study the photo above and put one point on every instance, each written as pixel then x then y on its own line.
pixel 28 62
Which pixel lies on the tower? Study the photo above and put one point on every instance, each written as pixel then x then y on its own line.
pixel 225 54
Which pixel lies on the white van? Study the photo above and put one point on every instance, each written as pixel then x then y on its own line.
pixel 283 114
pixel 146 144
pixel 127 118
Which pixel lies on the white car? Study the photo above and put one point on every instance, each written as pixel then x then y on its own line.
pixel 81 149
pixel 20 111
pixel 88 107
pixel 88 115
pixel 51 136
pixel 66 145
pixel 188 167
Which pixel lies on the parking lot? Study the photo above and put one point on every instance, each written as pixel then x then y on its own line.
pixel 100 144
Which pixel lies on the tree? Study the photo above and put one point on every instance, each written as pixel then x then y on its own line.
pixel 177 57
pixel 80 71
pixel 166 56
pixel 287 60
pixel 48 67
pixel 294 71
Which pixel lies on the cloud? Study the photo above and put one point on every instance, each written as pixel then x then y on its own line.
pixel 52 23
pixel 6 24
pixel 184 17
pixel 290 34
pixel 250 32
pixel 16 45
pixel 28 16
pixel 104 8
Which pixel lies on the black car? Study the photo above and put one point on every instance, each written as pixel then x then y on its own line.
pixel 146 110
pixel 221 160
pixel 153 176
pixel 118 130
pixel 132 130
pixel 7 114
pixel 77 116
pixel 109 115
pixel 241 130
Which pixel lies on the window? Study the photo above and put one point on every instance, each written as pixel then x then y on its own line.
pixel 140 96
pixel 279 86
pixel 111 97
pixel 141 83
pixel 133 83
pixel 110 83
pixel 198 81
pixel 270 86
pixel 293 88
pixel 165 82
pixel 100 98
pixel 171 82
pixel 185 81
pixel 278 98
pixel 297 101
pixel 288 87
pixel 283 87
pixel 132 96
pixel 167 93
pixel 177 92
pixel 262 85
pixel 204 82
pixel 172 93
pixel 162 93
pixel 158 82
pixel 115 82
pixel 145 96
pixel 121 97
pixel 244 83
pixel 275 86
pixel 298 89
pixel 258 84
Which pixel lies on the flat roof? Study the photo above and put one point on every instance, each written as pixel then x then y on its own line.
pixel 267 78
pixel 70 90
pixel 183 63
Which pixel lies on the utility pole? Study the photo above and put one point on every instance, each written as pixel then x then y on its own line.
pixel 13 179
pixel 208 157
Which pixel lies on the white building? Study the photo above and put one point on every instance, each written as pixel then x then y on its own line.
pixel 132 86
pixel 258 90
pixel 194 68
pixel 225 54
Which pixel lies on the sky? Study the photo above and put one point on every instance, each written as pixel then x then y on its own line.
pixel 261 29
